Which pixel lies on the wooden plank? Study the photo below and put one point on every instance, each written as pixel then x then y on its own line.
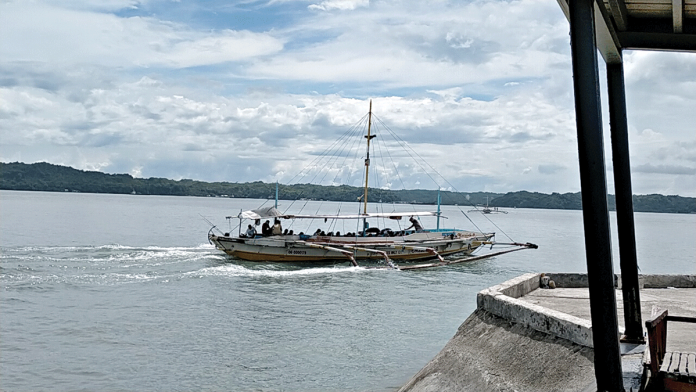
pixel 666 362
pixel 678 15
pixel 650 11
pixel 657 339
pixel 620 13
pixel 678 386
pixel 681 319
pixel 675 363
pixel 683 364
pixel 654 321
pixel 641 2
pixel 690 11
pixel 677 372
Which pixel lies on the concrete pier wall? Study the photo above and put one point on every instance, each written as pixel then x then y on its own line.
pixel 510 344
pixel 489 353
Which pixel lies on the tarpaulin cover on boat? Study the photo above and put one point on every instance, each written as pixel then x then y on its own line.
pixel 390 215
pixel 267 212
pixel 272 212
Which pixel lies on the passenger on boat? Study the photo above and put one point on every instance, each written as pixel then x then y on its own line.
pixel 277 228
pixel 415 224
pixel 266 228
pixel 251 231
pixel 285 232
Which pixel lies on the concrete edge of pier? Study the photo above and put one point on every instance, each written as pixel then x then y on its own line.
pixel 504 301
pixel 511 344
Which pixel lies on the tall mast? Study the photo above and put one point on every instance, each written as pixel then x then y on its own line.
pixel 438 208
pixel 369 137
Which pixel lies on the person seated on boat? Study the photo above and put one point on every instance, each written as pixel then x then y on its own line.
pixel 251 232
pixel 372 232
pixel 338 234
pixel 330 234
pixel 285 232
pixel 266 228
pixel 318 232
pixel 277 228
pixel 290 232
pixel 415 224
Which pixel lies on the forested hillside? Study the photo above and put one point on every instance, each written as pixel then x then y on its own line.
pixel 55 178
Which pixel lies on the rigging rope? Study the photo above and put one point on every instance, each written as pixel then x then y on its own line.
pixel 409 150
pixel 330 160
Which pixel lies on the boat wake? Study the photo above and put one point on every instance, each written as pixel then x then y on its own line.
pixel 234 270
pixel 115 264
pixel 117 253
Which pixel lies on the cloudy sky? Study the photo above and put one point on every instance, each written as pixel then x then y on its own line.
pixel 252 90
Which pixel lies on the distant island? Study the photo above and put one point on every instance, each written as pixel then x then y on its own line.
pixel 55 178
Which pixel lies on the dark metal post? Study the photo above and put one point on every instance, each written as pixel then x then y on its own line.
pixel 624 204
pixel 607 357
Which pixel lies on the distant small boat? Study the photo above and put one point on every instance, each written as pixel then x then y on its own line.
pixel 488 210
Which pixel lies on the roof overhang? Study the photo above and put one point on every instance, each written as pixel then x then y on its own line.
pixel 643 25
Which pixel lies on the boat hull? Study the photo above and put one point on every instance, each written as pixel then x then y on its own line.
pixel 293 249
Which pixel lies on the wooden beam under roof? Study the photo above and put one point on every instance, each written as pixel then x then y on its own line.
pixel 620 13
pixel 607 39
pixel 678 15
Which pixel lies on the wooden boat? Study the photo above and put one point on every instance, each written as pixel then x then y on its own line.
pixel 372 243
pixel 369 243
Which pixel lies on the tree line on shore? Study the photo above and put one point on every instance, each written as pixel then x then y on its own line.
pixel 55 178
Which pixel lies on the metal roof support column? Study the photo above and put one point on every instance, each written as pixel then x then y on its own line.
pixel 607 357
pixel 624 204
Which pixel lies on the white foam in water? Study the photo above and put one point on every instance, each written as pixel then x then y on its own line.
pixel 238 270
pixel 151 255
pixel 198 247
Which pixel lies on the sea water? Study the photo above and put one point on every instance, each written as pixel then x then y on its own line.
pixel 124 292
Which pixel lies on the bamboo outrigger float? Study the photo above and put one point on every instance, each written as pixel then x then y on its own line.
pixel 370 243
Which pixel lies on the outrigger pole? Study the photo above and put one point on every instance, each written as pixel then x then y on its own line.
pixel 468 259
pixel 442 263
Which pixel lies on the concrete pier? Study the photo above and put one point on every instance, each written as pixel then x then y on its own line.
pixel 523 337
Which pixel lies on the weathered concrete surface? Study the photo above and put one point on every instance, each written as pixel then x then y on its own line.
pixel 489 353
pixel 523 338
pixel 519 286
pixel 537 317
pixel 678 301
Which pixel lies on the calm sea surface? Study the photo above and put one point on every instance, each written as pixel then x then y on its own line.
pixel 122 292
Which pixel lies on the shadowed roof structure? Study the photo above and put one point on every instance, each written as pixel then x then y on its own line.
pixel 642 24
pixel 610 26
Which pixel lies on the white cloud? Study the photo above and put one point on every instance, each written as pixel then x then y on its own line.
pixel 44 33
pixel 482 90
pixel 96 5
pixel 426 45
pixel 342 5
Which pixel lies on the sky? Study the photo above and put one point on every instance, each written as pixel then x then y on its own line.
pixel 243 91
